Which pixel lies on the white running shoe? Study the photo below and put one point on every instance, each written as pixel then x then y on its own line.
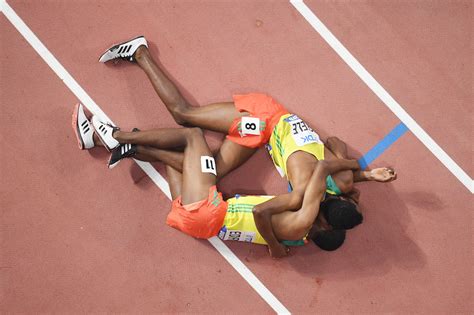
pixel 104 132
pixel 124 50
pixel 82 128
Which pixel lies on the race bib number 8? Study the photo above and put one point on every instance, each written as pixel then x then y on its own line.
pixel 250 125
pixel 302 133
pixel 208 165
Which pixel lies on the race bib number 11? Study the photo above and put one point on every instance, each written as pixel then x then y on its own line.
pixel 302 133
pixel 208 165
pixel 250 125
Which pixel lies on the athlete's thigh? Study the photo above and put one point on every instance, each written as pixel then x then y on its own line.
pixel 216 117
pixel 230 156
pixel 197 181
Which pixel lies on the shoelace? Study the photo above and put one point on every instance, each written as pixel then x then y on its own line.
pixel 123 52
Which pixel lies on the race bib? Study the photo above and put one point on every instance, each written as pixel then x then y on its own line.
pixel 250 125
pixel 302 133
pixel 208 165
pixel 235 235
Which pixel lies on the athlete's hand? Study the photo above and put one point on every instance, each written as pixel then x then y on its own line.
pixel 278 251
pixel 383 174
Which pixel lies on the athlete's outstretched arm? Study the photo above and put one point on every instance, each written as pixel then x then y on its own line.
pixel 382 174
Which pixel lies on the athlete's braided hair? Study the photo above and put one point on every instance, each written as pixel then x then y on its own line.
pixel 341 214
pixel 329 240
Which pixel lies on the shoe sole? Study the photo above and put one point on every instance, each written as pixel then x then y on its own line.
pixel 111 166
pixel 75 126
pixel 116 45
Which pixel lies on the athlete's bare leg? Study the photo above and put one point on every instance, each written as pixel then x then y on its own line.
pixel 168 157
pixel 217 117
pixel 175 180
pixel 151 154
pixel 195 183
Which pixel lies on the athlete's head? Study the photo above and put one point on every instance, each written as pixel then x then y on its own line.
pixel 324 236
pixel 341 213
pixel 329 239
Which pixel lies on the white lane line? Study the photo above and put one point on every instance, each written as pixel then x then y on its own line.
pixel 386 98
pixel 156 177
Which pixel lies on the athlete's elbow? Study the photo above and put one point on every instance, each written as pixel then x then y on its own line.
pixel 258 212
pixel 296 200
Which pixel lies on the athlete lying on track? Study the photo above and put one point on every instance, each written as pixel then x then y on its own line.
pixel 198 208
pixel 251 121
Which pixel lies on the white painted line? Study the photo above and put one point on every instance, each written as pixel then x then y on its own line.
pixel 156 177
pixel 256 284
pixel 386 98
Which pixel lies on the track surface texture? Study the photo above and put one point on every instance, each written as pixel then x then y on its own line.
pixel 77 237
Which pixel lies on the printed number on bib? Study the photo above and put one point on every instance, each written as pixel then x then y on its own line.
pixel 208 165
pixel 302 133
pixel 235 235
pixel 250 125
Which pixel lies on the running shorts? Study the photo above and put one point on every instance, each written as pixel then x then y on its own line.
pixel 202 219
pixel 260 106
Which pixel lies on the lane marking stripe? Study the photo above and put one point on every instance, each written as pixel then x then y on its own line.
pixel 156 177
pixel 386 98
pixel 382 145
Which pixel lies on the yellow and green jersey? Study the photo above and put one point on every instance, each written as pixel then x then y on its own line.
pixel 292 134
pixel 239 224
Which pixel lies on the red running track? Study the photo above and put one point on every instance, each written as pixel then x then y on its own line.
pixel 77 237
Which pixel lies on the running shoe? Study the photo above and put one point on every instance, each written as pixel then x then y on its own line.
pixel 104 132
pixel 123 151
pixel 82 128
pixel 124 50
pixel 118 154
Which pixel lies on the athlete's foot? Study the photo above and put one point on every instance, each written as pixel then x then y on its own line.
pixel 126 50
pixel 105 132
pixel 123 151
pixel 383 174
pixel 82 128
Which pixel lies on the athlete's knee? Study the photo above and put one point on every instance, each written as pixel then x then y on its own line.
pixel 181 112
pixel 194 133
